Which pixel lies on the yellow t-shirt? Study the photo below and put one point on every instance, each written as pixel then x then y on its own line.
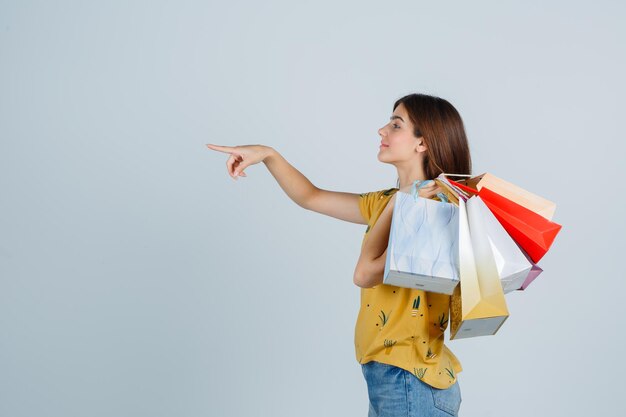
pixel 400 326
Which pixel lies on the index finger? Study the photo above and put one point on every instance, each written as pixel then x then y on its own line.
pixel 227 149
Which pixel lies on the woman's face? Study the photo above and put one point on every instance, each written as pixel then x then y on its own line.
pixel 397 141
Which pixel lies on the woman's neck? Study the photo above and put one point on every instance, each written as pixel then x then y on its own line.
pixel 407 179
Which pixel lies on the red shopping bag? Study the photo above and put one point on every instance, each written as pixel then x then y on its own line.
pixel 533 232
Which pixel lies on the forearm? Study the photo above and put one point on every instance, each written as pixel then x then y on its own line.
pixel 292 181
pixel 371 272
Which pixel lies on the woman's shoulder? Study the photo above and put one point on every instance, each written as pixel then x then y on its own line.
pixel 386 192
pixel 389 191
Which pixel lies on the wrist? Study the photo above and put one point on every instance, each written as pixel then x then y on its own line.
pixel 269 153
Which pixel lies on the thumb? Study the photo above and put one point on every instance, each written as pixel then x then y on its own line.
pixel 240 168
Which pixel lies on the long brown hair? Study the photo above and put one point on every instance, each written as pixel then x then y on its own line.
pixel 441 126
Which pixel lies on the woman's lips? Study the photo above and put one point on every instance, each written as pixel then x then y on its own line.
pixel 383 146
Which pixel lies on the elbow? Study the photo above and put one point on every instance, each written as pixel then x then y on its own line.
pixel 361 280
pixel 369 274
pixel 357 281
pixel 307 202
pixel 357 278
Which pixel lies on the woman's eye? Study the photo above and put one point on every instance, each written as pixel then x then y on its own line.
pixel 396 126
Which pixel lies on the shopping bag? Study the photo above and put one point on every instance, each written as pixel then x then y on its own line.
pixel 533 232
pixel 477 304
pixel 525 198
pixel 449 191
pixel 423 250
pixel 511 261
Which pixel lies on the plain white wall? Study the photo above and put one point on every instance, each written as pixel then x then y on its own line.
pixel 138 279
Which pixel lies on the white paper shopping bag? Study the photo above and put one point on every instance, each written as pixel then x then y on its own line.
pixel 477 306
pixel 513 266
pixel 423 246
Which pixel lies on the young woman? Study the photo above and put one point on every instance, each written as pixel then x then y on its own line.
pixel 399 333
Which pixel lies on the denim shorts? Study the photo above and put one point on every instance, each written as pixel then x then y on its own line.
pixel 396 392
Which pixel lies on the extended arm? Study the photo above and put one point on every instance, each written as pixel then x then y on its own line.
pixel 293 182
pixel 337 204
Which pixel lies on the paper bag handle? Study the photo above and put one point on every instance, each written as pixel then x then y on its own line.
pixel 415 188
pixel 461 186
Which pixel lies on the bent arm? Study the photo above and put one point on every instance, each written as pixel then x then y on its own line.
pixel 371 264
pixel 293 183
pixel 370 273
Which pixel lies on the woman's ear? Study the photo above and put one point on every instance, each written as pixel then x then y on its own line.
pixel 420 147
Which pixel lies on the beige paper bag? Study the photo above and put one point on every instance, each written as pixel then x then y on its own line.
pixel 514 193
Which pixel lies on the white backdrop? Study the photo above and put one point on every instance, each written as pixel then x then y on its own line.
pixel 138 279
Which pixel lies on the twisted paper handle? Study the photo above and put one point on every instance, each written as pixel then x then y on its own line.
pixel 415 188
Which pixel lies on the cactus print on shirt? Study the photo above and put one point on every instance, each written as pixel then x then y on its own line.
pixel 400 326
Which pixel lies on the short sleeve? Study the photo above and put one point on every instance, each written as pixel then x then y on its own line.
pixel 366 203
